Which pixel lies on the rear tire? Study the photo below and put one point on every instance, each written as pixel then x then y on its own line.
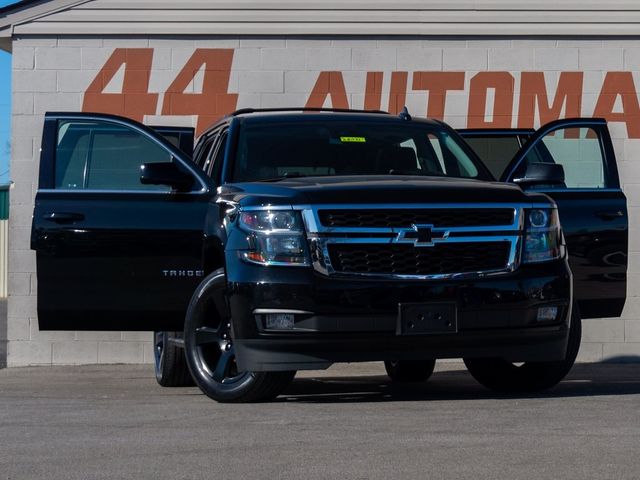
pixel 170 364
pixel 210 354
pixel 404 371
pixel 503 376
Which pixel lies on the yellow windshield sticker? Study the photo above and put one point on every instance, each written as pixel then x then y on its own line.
pixel 353 139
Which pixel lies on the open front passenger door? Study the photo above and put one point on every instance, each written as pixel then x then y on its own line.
pixel 592 208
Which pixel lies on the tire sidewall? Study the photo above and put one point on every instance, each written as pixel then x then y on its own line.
pixel 215 390
pixel 503 376
pixel 159 360
pixel 410 370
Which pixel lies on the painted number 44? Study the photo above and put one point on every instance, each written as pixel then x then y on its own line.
pixel 135 101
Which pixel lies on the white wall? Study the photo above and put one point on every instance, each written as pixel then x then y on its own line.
pixel 53 74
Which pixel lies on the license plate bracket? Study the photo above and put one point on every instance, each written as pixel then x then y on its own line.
pixel 427 318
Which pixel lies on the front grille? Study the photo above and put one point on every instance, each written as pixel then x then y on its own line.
pixel 411 260
pixel 439 217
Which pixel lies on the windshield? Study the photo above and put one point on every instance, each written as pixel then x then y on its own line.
pixel 316 148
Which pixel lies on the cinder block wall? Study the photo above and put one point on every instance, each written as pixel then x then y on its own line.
pixel 54 73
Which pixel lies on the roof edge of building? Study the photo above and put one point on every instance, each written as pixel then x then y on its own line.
pixel 410 18
pixel 27 10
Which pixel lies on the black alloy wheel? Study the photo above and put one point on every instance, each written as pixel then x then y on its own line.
pixel 210 351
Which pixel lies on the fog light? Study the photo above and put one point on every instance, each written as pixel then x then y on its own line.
pixel 547 314
pixel 279 321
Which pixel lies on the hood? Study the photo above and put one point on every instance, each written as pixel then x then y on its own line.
pixel 371 189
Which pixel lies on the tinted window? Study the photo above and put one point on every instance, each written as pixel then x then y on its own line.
pixel 316 148
pixel 200 151
pixel 216 168
pixel 204 156
pixel 174 138
pixel 104 156
pixel 72 151
pixel 579 152
pixel 495 152
pixel 180 137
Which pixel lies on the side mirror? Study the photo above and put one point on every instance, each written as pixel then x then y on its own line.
pixel 541 173
pixel 166 173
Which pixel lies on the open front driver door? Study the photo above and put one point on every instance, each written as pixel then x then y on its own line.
pixel 114 253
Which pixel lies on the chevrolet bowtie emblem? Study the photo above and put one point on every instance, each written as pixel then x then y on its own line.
pixel 422 235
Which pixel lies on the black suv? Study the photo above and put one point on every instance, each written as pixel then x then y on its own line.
pixel 295 239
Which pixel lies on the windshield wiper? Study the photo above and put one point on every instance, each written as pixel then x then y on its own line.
pixel 416 173
pixel 285 176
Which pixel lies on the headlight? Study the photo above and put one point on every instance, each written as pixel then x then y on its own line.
pixel 271 221
pixel 543 238
pixel 275 238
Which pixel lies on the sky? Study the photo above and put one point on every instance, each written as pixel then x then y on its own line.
pixel 5 109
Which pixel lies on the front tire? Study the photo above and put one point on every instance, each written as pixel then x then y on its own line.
pixel 210 353
pixel 405 371
pixel 503 376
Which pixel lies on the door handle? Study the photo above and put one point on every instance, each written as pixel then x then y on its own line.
pixel 63 217
pixel 610 215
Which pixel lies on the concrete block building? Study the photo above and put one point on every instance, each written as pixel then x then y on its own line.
pixel 473 63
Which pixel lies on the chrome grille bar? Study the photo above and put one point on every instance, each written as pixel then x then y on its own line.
pixel 321 236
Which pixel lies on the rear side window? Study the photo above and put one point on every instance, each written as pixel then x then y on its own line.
pixel 95 155
pixel 216 169
pixel 494 151
pixel 202 151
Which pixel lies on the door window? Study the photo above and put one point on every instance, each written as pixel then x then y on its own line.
pixel 580 153
pixel 98 155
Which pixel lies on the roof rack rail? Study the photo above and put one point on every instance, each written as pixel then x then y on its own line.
pixel 302 109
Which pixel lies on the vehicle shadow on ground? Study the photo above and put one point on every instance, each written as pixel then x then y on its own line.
pixel 584 380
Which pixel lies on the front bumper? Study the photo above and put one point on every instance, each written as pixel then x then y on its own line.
pixel 349 320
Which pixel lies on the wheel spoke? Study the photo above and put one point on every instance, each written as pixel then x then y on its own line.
pixel 159 348
pixel 206 335
pixel 224 365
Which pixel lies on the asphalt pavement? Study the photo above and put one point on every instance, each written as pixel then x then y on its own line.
pixel 104 422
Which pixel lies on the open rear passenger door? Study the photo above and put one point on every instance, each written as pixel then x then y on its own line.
pixel 592 207
pixel 114 252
